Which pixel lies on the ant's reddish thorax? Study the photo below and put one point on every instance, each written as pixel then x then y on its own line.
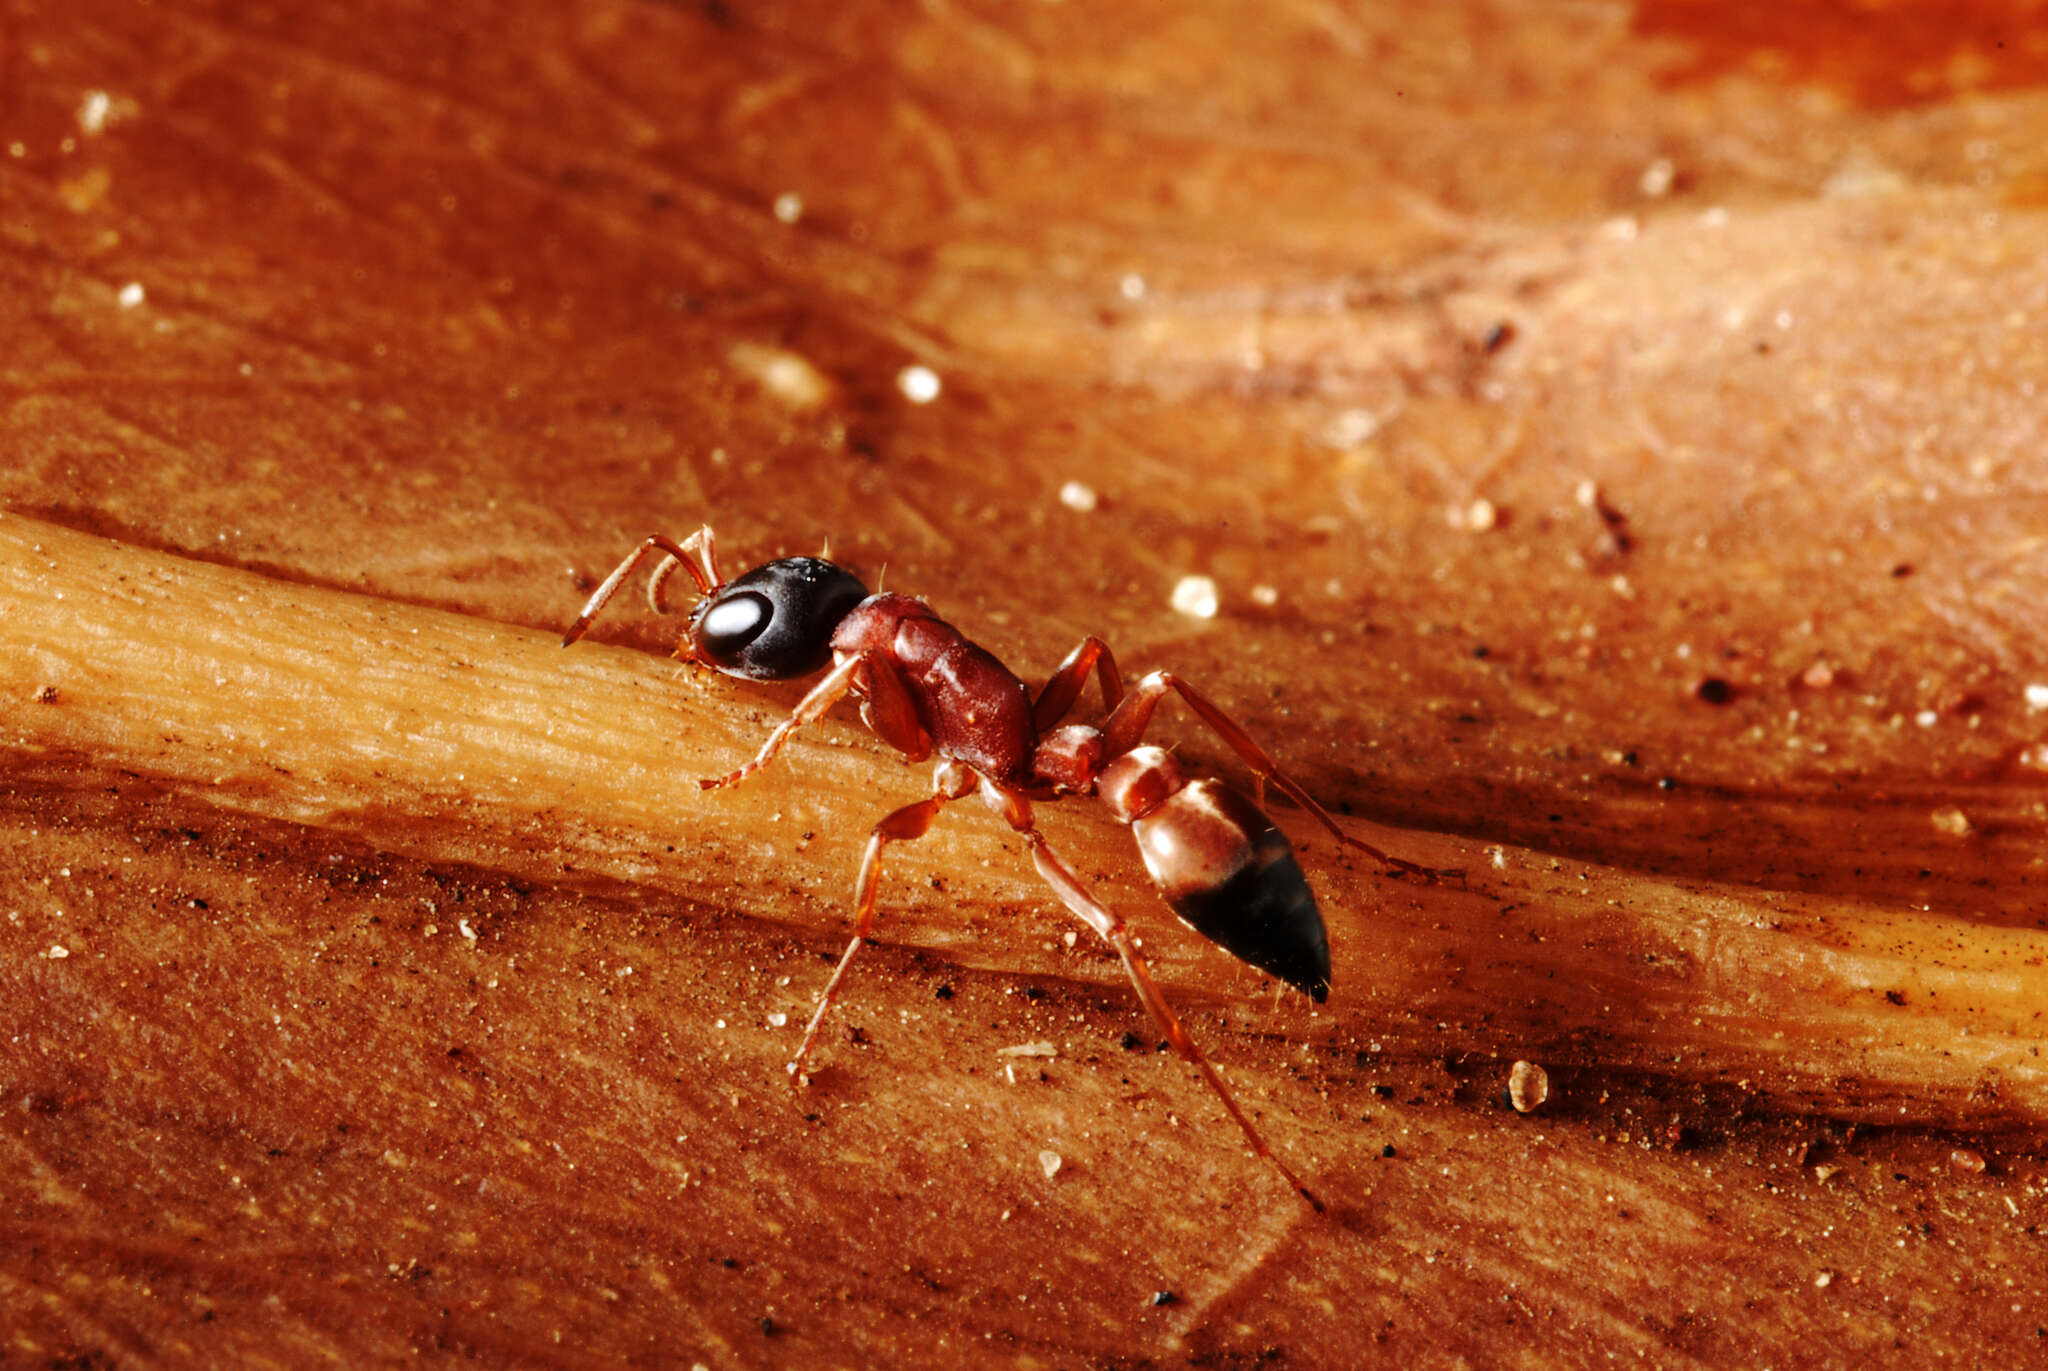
pixel 975 710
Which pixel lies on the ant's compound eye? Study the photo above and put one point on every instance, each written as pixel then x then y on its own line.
pixel 775 623
pixel 729 623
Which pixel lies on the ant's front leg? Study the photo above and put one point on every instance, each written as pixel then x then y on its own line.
pixel 809 710
pixel 1127 723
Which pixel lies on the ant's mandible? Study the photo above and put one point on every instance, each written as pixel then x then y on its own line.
pixel 925 690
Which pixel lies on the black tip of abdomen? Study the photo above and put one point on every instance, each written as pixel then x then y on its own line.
pixel 1266 916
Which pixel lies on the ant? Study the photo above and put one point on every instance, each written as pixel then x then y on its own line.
pixel 925 690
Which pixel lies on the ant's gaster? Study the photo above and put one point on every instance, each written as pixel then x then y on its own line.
pixel 927 691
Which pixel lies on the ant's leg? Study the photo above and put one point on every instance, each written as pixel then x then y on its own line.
pixel 1118 935
pixel 907 824
pixel 706 576
pixel 673 553
pixel 809 710
pixel 1065 686
pixel 891 712
pixel 1127 724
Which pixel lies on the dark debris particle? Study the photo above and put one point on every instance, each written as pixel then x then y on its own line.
pixel 1032 992
pixel 944 992
pixel 768 1329
pixel 1130 1042
pixel 1667 783
pixel 1160 1297
pixel 46 695
pixel 1902 570
pixel 1481 651
pixel 1387 1151
pixel 1714 690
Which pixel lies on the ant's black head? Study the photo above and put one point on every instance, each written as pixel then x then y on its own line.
pixel 774 623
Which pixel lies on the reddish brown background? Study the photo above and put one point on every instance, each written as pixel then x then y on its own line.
pixel 440 308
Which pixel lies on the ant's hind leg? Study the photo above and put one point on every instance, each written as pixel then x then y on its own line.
pixel 907 824
pixel 1127 724
pixel 1118 935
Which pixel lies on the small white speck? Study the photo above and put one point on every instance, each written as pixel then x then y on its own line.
pixel 1132 287
pixel 790 378
pixel 1076 495
pixel 58 952
pixel 1824 1280
pixel 1783 318
pixel 1657 179
pixel 131 295
pixel 2037 697
pixel 1050 1160
pixel 465 929
pixel 1480 515
pixel 1195 596
pixel 1265 597
pixel 919 384
pixel 93 111
pixel 1926 718
pixel 777 1020
pixel 1528 1087
pixel 789 207
pixel 1037 1049
pixel 719 1024
pixel 17 149
pixel 1350 428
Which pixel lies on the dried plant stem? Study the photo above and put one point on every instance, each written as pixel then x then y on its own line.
pixel 460 739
